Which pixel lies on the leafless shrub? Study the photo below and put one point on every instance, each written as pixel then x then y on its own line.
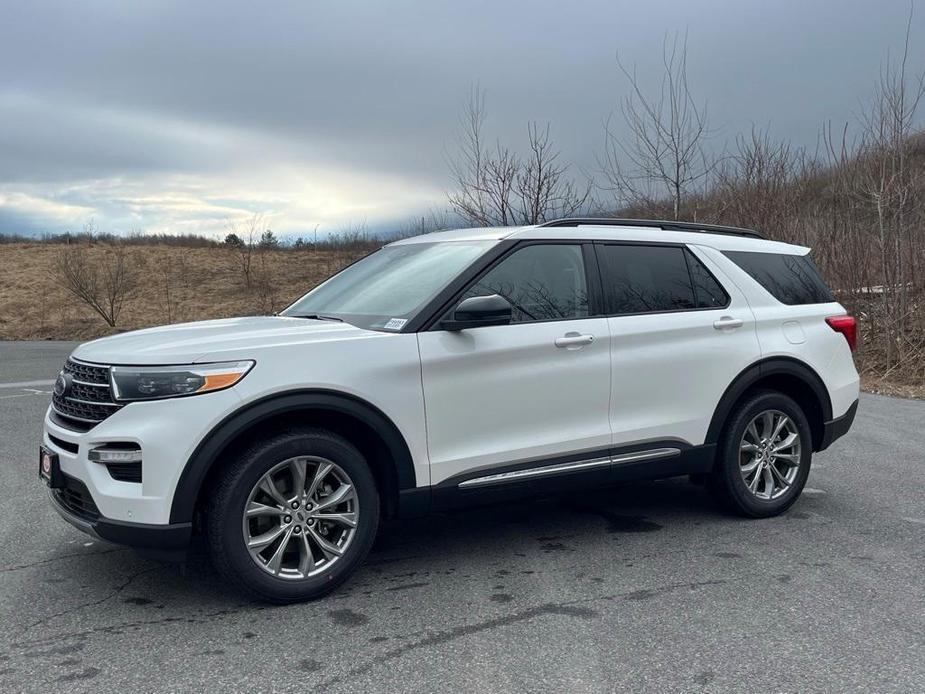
pixel 352 237
pixel 879 187
pixel 754 184
pixel 135 238
pixel 103 280
pixel 43 307
pixel 434 221
pixel 265 286
pixel 183 273
pixel 165 270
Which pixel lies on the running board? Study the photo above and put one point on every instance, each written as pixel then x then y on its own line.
pixel 565 468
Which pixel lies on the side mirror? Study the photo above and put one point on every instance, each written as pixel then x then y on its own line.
pixel 479 311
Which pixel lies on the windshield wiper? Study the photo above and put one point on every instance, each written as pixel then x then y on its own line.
pixel 318 316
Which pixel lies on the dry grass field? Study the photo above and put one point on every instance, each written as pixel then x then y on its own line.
pixel 174 284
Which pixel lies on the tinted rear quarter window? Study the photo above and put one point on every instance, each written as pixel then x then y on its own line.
pixel 708 291
pixel 791 279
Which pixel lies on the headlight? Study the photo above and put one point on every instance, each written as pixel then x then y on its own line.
pixel 156 382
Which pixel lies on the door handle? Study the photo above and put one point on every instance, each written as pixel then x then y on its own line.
pixel 574 340
pixel 727 322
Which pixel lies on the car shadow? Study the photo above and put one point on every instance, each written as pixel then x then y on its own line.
pixel 479 540
pixel 628 508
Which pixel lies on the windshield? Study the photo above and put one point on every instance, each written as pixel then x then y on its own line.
pixel 386 288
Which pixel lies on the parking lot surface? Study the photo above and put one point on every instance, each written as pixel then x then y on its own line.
pixel 645 587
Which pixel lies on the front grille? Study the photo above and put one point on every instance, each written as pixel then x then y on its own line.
pixel 75 497
pixel 89 399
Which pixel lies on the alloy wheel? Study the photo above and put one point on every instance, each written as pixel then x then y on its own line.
pixel 769 454
pixel 300 517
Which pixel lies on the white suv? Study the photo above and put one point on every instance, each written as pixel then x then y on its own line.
pixel 457 367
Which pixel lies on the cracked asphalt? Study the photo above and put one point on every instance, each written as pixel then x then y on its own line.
pixel 645 588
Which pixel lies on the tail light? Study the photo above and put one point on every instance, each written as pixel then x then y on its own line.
pixel 847 326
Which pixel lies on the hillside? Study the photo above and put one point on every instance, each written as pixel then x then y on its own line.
pixel 174 284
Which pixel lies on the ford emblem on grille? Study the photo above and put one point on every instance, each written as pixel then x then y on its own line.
pixel 62 384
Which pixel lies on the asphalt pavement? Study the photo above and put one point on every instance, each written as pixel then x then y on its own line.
pixel 645 587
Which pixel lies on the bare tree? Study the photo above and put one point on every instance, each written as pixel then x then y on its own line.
pixel 661 151
pixel 103 280
pixel 495 187
pixel 892 190
pixel 861 207
pixel 543 190
pixel 242 240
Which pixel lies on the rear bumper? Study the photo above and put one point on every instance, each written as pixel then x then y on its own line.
pixel 151 539
pixel 838 427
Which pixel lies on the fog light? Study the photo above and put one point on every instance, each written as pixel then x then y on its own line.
pixel 115 455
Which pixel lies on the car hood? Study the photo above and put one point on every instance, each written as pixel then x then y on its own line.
pixel 214 340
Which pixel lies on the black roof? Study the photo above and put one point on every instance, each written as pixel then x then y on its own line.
pixel 654 224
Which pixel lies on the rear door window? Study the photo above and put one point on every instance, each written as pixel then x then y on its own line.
pixel 791 279
pixel 650 279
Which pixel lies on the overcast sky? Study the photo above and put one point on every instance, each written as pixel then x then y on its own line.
pixel 179 116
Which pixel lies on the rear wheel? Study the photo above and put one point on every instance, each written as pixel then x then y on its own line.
pixel 293 516
pixel 764 456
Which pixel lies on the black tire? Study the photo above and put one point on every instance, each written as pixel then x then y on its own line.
pixel 726 481
pixel 224 515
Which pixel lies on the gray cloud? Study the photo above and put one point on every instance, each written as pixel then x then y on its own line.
pixel 349 107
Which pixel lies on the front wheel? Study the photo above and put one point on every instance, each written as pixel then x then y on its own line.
pixel 764 456
pixel 293 516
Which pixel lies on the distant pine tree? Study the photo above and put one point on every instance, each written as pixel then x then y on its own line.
pixel 268 240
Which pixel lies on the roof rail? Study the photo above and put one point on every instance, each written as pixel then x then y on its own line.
pixel 653 224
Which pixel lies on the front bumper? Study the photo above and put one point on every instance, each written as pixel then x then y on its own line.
pixel 166 432
pixel 143 536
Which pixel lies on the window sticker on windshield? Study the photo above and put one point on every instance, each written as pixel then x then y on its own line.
pixel 395 324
